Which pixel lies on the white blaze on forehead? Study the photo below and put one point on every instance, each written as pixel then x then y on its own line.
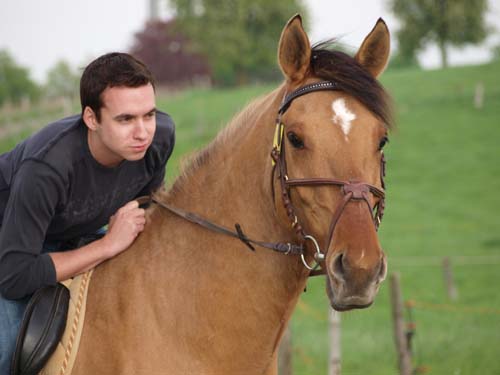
pixel 342 115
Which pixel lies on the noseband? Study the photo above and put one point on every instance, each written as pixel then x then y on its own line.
pixel 350 190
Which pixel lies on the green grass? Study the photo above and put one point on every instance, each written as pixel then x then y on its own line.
pixel 443 200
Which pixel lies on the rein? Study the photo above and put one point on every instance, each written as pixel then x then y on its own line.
pixel 351 191
pixel 281 247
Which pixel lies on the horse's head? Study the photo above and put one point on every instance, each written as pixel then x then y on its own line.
pixel 331 175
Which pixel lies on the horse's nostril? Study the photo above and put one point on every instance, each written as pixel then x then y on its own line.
pixel 383 270
pixel 339 267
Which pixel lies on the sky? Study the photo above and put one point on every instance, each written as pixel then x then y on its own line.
pixel 38 34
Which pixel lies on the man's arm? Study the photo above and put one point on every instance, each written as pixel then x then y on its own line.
pixel 35 191
pixel 34 195
pixel 123 228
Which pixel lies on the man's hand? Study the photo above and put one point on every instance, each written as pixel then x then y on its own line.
pixel 124 226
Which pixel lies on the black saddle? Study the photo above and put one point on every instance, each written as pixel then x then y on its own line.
pixel 41 329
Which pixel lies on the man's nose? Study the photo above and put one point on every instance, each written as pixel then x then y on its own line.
pixel 140 131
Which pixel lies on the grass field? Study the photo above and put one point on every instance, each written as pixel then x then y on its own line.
pixel 443 200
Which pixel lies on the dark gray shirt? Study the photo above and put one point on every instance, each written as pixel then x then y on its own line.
pixel 52 189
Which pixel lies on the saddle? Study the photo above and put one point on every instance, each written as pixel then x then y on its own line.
pixel 42 326
pixel 48 348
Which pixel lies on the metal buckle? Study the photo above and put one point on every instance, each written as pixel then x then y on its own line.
pixel 318 255
pixel 278 138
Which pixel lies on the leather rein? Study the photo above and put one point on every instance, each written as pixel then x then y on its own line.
pixel 351 191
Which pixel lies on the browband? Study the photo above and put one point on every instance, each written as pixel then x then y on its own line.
pixel 318 86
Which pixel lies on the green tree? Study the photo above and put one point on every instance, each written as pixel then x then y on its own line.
pixel 239 37
pixel 15 83
pixel 62 81
pixel 444 22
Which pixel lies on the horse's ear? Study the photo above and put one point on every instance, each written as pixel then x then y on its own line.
pixel 294 51
pixel 374 52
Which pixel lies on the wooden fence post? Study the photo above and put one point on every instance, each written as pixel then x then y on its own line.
pixel 479 96
pixel 334 364
pixel 285 354
pixel 404 359
pixel 448 280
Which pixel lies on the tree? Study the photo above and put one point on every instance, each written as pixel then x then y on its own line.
pixel 167 53
pixel 239 37
pixel 444 22
pixel 62 81
pixel 15 83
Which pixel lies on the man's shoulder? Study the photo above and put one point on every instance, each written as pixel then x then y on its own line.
pixel 57 137
pixel 58 145
pixel 163 141
pixel 164 137
pixel 165 126
pixel 55 145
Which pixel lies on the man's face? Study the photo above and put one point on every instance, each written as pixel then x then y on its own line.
pixel 127 125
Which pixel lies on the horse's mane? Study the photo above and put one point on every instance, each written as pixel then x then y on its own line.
pixel 352 78
pixel 236 128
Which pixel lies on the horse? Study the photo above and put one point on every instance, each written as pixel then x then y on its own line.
pixel 184 299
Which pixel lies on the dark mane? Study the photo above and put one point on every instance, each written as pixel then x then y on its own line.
pixel 352 78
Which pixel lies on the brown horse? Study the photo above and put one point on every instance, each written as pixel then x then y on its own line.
pixel 187 300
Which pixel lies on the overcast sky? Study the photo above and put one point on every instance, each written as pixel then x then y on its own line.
pixel 40 33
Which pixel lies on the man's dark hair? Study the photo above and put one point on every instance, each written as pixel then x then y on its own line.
pixel 111 70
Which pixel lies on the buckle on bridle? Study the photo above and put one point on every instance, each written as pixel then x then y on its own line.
pixel 278 138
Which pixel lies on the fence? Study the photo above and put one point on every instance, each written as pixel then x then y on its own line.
pixel 404 331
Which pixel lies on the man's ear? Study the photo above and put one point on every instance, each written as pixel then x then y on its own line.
pixel 90 118
pixel 374 52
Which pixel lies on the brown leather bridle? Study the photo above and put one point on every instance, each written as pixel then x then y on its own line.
pixel 351 191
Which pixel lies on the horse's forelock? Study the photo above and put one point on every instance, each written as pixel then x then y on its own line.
pixel 333 65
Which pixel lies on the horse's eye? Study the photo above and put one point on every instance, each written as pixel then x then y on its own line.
pixel 295 140
pixel 382 143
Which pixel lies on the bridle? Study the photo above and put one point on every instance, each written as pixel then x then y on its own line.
pixel 351 191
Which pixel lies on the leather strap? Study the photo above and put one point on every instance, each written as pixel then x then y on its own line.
pixel 318 86
pixel 281 247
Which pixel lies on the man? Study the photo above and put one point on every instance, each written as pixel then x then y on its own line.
pixel 59 187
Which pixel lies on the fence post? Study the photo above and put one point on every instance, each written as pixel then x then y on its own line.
pixel 404 359
pixel 334 360
pixel 448 279
pixel 479 95
pixel 285 354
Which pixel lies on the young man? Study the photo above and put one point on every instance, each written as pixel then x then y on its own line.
pixel 59 187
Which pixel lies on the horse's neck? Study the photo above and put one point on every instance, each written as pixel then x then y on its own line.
pixel 233 184
pixel 253 292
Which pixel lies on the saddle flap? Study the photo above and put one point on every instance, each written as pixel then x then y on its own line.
pixel 42 326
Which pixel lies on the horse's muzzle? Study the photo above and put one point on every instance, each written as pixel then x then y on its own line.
pixel 351 287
